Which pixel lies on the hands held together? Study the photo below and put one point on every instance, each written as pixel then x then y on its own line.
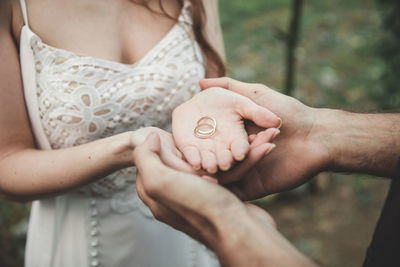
pixel 312 140
pixel 170 168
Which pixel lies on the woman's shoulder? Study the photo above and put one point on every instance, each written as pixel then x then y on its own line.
pixel 6 7
pixel 11 20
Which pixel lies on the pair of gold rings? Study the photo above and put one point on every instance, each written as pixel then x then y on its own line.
pixel 206 127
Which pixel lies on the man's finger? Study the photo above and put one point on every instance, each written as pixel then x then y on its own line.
pixel 228 83
pixel 259 115
pixel 152 145
pixel 265 136
pixel 166 215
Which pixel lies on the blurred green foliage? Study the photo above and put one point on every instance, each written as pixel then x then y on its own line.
pixel 339 59
pixel 13 224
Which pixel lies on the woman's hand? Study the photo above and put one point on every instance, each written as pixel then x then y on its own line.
pixel 230 140
pixel 300 154
pixel 169 154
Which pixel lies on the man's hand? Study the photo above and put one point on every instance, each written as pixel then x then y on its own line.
pixel 313 140
pixel 300 152
pixel 240 234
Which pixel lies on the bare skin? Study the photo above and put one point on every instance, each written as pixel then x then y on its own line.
pixel 241 234
pixel 117 30
pixel 312 140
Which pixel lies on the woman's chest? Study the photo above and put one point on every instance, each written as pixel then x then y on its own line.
pixel 118 30
pixel 81 99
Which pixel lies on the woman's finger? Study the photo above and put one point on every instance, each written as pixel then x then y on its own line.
pixel 192 156
pixel 209 161
pixel 254 156
pixel 225 159
pixel 239 149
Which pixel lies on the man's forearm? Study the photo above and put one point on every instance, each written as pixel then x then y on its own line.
pixel 365 143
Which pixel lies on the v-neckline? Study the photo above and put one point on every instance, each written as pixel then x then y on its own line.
pixel 108 61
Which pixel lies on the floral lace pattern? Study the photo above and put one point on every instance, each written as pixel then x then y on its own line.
pixel 82 99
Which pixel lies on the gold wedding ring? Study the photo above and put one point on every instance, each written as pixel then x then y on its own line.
pixel 206 127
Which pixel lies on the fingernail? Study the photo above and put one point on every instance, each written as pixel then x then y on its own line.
pixel 277 131
pixel 270 149
pixel 196 168
pixel 280 124
pixel 225 168
pixel 240 158
pixel 212 171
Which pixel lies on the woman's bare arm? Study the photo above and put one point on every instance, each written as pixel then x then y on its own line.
pixel 25 172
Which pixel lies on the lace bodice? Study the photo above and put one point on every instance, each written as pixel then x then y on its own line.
pixel 81 98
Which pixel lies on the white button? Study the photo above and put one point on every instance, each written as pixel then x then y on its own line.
pixel 193 88
pixel 111 124
pixel 156 77
pixel 94 212
pixel 94 253
pixel 106 95
pixel 136 78
pixel 193 71
pixel 94 243
pixel 93 202
pixel 119 85
pixel 167 99
pixel 186 76
pixel 47 103
pixel 173 91
pixel 93 223
pixel 116 118
pixel 125 120
pixel 113 89
pixel 129 80
pixel 180 83
pixel 159 108
pixel 93 232
pixel 52 124
pixel 95 263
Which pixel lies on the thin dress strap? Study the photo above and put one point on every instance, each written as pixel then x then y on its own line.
pixel 24 13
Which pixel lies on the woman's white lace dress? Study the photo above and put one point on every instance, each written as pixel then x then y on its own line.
pixel 74 99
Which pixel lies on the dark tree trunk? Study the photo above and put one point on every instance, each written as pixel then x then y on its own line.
pixel 291 45
pixel 388 97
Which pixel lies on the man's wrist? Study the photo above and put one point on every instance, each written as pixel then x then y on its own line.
pixel 248 240
pixel 365 143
